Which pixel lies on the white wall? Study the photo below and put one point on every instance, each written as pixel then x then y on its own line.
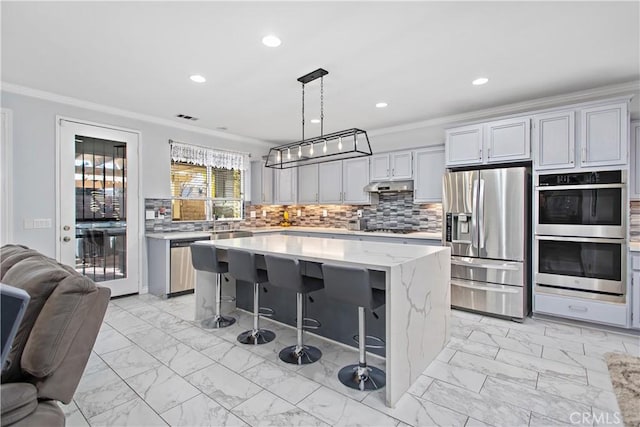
pixel 34 166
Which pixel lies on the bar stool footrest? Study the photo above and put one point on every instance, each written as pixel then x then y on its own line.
pixel 227 298
pixel 266 312
pixel 315 323
pixel 356 338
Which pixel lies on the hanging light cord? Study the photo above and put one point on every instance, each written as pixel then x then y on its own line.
pixel 322 106
pixel 303 111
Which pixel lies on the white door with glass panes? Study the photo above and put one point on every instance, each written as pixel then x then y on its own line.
pixel 98 198
pixel 330 184
pixel 308 184
pixel 355 175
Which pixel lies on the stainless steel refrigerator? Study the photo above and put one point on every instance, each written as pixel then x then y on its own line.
pixel 487 227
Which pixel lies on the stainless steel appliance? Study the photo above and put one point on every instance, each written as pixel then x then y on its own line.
pixel 182 274
pixel 580 224
pixel 486 226
pixel 588 204
pixel 356 224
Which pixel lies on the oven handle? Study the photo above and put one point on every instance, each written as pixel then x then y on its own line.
pixel 496 266
pixel 485 288
pixel 579 187
pixel 582 239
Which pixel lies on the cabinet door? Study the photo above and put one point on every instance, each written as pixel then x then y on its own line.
pixel 401 166
pixel 285 186
pixel 634 167
pixel 380 170
pixel 603 136
pixel 261 184
pixel 635 300
pixel 355 175
pixel 464 146
pixel 428 172
pixel 308 184
pixel 508 140
pixel 330 182
pixel 554 140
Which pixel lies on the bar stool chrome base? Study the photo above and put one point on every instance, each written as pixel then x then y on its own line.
pixel 362 378
pixel 256 337
pixel 305 356
pixel 218 322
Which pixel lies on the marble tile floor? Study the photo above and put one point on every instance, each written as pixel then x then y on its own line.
pixel 152 365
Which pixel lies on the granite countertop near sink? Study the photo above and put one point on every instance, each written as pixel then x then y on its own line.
pixel 174 235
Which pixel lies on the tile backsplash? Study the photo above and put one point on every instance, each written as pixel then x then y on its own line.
pixel 394 210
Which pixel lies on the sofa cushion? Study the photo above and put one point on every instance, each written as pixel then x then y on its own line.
pixel 11 255
pixel 18 401
pixel 58 324
pixel 38 276
pixel 48 414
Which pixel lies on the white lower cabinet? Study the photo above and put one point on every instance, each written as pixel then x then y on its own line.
pixel 580 309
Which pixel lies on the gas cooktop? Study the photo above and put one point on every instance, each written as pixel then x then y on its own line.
pixel 390 230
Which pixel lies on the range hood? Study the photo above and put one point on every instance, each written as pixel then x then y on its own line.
pixel 389 187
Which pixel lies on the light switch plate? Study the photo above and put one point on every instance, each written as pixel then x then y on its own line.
pixel 150 214
pixel 42 223
pixel 359 213
pixel 324 212
pixel 264 213
pixel 299 213
pixel 253 214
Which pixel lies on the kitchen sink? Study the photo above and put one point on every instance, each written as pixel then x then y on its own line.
pixel 228 234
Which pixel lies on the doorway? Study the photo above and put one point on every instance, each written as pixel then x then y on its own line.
pixel 98 205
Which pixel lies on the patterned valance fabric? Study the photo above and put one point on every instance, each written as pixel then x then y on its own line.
pixel 203 156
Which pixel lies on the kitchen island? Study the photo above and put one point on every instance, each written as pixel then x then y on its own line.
pixel 416 281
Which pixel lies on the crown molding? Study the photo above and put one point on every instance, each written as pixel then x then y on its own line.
pixel 75 102
pixel 535 104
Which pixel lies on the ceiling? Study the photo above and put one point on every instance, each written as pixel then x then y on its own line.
pixel 419 57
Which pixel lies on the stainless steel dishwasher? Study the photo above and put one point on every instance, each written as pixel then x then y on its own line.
pixel 182 274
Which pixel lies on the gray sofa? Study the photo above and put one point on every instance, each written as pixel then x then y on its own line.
pixel 54 340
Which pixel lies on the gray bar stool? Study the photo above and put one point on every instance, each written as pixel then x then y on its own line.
pixel 286 273
pixel 353 286
pixel 242 265
pixel 205 258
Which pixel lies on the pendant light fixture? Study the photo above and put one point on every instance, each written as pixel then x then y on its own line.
pixel 331 146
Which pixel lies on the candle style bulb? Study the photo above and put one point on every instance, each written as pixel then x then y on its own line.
pixel 311 150
pixel 300 151
pixel 324 147
pixel 278 157
pixel 288 153
pixel 340 143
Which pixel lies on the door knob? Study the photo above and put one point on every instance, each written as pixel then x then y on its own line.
pixel 66 238
pixel 66 228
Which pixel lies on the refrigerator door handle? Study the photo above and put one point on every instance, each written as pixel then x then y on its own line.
pixel 481 214
pixel 474 222
pixel 495 265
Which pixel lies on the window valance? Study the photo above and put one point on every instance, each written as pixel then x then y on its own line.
pixel 186 153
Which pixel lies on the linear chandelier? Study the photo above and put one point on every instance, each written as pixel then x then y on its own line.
pixel 344 144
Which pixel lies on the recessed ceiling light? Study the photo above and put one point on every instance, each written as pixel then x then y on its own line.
pixel 381 105
pixel 315 120
pixel 271 41
pixel 480 81
pixel 197 78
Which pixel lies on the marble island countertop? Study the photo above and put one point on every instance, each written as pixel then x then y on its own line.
pixel 372 255
pixel 256 230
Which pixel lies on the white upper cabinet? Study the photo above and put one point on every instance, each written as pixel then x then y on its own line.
pixel 428 171
pixel 380 167
pixel 330 186
pixel 508 140
pixel 308 184
pixel 554 140
pixel 603 135
pixel 355 175
pixel 392 166
pixel 634 175
pixel 401 165
pixel 285 185
pixel 261 184
pixel 464 145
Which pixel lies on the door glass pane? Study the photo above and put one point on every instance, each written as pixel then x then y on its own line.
pixel 101 223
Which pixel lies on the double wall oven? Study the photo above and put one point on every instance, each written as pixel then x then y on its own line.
pixel 580 230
